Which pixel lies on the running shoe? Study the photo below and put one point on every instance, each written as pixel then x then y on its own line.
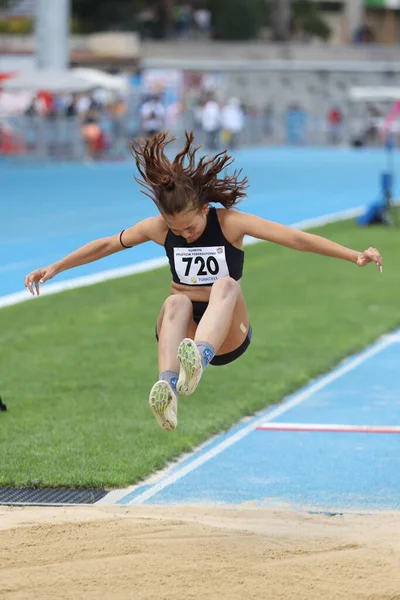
pixel 164 405
pixel 190 367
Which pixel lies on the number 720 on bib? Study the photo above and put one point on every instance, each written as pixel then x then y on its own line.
pixel 200 266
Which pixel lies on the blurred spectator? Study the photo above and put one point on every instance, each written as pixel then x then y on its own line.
pixel 173 116
pixel 52 110
pixel 363 35
pixel 32 109
pixel 93 136
pixel 335 119
pixel 45 102
pixel 232 121
pixel 182 15
pixel 82 104
pixel 296 123
pixel 59 105
pixel 373 125
pixel 94 103
pixel 267 117
pixel 202 22
pixel 71 108
pixel 10 141
pixel 36 107
pixel 152 116
pixel 118 112
pixel 99 97
pixel 211 122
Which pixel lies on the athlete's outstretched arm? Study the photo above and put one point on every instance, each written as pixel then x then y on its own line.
pixel 303 241
pixel 138 234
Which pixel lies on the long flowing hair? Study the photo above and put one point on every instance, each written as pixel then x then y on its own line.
pixel 185 184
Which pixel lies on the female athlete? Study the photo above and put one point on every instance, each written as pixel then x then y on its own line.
pixel 204 320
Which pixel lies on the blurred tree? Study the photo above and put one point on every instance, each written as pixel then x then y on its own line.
pixel 237 19
pixel 167 7
pixel 280 19
pixel 100 15
pixel 307 19
pixel 21 26
pixel 13 19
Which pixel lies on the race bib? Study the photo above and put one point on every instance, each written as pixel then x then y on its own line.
pixel 200 266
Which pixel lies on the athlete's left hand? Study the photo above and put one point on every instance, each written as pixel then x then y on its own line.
pixel 368 256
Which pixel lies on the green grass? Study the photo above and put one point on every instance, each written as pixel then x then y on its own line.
pixel 76 368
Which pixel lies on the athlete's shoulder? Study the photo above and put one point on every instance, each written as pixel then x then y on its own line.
pixel 231 221
pixel 156 228
pixel 230 217
pixel 150 229
pixel 235 218
pixel 228 214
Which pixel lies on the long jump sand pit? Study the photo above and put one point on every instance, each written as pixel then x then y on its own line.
pixel 196 552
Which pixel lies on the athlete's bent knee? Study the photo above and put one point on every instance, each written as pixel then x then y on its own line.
pixel 227 286
pixel 175 304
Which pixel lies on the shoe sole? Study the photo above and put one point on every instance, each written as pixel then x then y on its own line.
pixel 190 367
pixel 163 404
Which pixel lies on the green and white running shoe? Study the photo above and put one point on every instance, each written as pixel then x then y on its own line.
pixel 190 367
pixel 164 405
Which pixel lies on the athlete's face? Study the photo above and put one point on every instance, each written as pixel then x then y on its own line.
pixel 189 224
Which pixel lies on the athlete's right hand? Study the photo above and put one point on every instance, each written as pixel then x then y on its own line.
pixel 38 276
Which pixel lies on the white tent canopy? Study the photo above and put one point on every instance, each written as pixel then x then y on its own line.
pixel 374 94
pixel 101 79
pixel 62 81
pixel 50 80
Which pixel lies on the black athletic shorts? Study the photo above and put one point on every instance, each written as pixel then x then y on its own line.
pixel 199 308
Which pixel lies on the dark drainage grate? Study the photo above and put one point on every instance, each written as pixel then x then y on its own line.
pixel 10 495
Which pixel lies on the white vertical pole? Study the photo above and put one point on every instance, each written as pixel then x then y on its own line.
pixel 52 32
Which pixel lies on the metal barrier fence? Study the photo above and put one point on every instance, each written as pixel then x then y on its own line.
pixel 61 138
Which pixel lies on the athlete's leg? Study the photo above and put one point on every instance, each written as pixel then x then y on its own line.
pixel 217 319
pixel 224 320
pixel 172 326
pixel 175 321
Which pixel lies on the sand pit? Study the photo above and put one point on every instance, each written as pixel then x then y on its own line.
pixel 173 553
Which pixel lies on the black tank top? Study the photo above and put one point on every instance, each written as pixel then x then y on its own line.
pixel 207 259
